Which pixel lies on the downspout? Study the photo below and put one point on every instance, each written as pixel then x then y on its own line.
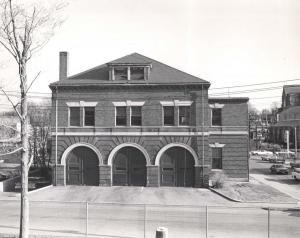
pixel 56 118
pixel 202 102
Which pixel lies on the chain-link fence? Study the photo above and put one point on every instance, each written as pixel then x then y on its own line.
pixel 77 219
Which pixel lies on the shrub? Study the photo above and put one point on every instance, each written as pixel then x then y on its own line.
pixel 218 179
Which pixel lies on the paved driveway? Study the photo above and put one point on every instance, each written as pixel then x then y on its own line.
pixel 260 170
pixel 130 195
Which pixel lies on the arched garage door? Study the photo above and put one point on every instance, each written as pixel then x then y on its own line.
pixel 177 168
pixel 82 167
pixel 129 167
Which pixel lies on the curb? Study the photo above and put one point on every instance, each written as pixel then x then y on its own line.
pixel 253 202
pixel 225 196
pixel 39 189
pixel 36 190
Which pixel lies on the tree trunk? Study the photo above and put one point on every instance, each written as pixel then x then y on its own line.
pixel 24 218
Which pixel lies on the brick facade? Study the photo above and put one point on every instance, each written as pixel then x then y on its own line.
pixel 152 136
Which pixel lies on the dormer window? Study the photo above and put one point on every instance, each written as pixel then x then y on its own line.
pixel 137 73
pixel 129 71
pixel 121 73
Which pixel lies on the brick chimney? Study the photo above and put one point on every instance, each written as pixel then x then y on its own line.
pixel 63 65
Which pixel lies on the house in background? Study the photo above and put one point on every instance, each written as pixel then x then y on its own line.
pixel 137 122
pixel 288 118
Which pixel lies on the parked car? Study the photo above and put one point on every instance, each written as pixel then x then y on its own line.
pixel 277 159
pixel 296 174
pixel 279 169
pixel 266 157
pixel 261 152
pixel 295 165
pixel 286 154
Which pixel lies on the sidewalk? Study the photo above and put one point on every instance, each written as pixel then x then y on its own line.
pixel 293 190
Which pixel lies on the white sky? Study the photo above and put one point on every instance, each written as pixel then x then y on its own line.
pixel 232 42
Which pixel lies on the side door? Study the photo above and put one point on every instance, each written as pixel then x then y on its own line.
pixel 74 170
pixel 167 171
pixel 120 170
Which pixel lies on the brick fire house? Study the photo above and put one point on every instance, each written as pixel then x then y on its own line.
pixel 137 122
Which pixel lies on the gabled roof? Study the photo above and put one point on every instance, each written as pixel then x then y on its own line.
pixel 159 74
pixel 288 89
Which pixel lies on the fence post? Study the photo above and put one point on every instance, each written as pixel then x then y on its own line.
pixel 86 219
pixel 161 232
pixel 145 220
pixel 206 221
pixel 268 222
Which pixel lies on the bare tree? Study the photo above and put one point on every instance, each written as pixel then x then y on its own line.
pixel 25 27
pixel 39 114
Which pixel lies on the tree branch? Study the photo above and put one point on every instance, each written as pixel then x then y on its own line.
pixel 9 50
pixel 10 127
pixel 13 105
pixel 30 161
pixel 33 81
pixel 12 152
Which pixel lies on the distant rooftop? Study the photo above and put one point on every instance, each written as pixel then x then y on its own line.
pixel 288 89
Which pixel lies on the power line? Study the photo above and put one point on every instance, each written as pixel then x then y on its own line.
pixel 225 87
pixel 256 84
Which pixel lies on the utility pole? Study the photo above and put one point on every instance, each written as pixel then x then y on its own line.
pixel 296 142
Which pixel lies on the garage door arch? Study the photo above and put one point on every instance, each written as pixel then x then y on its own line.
pixel 81 164
pixel 176 163
pixel 129 163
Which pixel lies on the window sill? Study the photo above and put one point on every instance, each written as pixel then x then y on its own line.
pixel 216 170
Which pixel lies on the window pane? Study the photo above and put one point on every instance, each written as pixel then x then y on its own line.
pixel 121 116
pixel 168 116
pixel 89 116
pixel 136 73
pixel 184 115
pixel 120 73
pixel 216 117
pixel 216 158
pixel 136 116
pixel 74 116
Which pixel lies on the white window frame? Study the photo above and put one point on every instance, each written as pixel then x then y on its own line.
pixel 212 106
pixel 84 117
pixel 127 103
pixel 163 116
pixel 179 116
pixel 217 145
pixel 175 103
pixel 69 117
pixel 130 113
pixel 116 116
pixel 80 104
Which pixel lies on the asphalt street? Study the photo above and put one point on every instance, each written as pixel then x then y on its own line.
pixel 260 170
pixel 69 219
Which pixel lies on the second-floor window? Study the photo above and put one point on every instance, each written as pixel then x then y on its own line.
pixel 74 116
pixel 184 115
pixel 89 116
pixel 121 116
pixel 216 117
pixel 136 116
pixel 168 115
